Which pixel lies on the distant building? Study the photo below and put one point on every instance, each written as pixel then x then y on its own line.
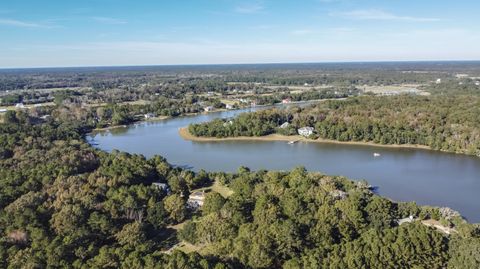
pixel 3 110
pixel 409 219
pixel 461 76
pixel 149 115
pixel 477 83
pixel 196 199
pixel 225 124
pixel 208 108
pixel 284 125
pixel 305 131
pixel 19 105
pixel 286 101
pixel 253 104
pixel 229 106
pixel 438 81
pixel 161 186
pixel 338 194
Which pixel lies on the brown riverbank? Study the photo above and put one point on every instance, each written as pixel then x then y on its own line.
pixel 185 134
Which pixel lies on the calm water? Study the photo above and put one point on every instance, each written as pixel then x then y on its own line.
pixel 427 177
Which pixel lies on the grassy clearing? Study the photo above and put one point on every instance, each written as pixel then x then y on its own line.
pixel 222 189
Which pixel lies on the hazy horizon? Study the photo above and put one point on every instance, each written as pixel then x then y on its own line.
pixel 58 33
pixel 243 64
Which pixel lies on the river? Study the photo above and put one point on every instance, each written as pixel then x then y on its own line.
pixel 427 177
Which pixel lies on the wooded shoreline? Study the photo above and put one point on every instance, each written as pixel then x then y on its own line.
pixel 185 134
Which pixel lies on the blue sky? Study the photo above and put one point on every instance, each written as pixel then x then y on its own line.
pixel 36 33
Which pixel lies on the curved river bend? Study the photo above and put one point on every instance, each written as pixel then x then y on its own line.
pixel 427 177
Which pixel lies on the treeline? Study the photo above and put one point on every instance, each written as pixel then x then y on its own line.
pixel 442 122
pixel 314 94
pixel 103 78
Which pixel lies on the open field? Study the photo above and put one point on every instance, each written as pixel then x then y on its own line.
pixel 393 89
pixel 27 106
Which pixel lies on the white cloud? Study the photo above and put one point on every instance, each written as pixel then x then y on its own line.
pixel 23 24
pixel 377 14
pixel 251 8
pixel 108 20
pixel 302 32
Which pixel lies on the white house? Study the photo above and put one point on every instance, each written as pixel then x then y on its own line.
pixel 229 106
pixel 19 105
pixel 149 115
pixel 439 80
pixel 208 108
pixel 286 101
pixel 284 125
pixel 161 186
pixel 196 199
pixel 3 110
pixel 225 124
pixel 305 131
pixel 408 219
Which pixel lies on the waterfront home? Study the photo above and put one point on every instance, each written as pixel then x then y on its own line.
pixel 196 199
pixel 225 124
pixel 229 106
pixel 286 101
pixel 208 108
pixel 149 115
pixel 305 131
pixel 284 125
pixel 162 186
pixel 405 220
pixel 338 194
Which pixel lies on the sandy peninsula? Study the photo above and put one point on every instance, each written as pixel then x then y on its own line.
pixel 185 134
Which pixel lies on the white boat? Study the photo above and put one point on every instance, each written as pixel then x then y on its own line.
pixel 291 142
pixel 375 154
